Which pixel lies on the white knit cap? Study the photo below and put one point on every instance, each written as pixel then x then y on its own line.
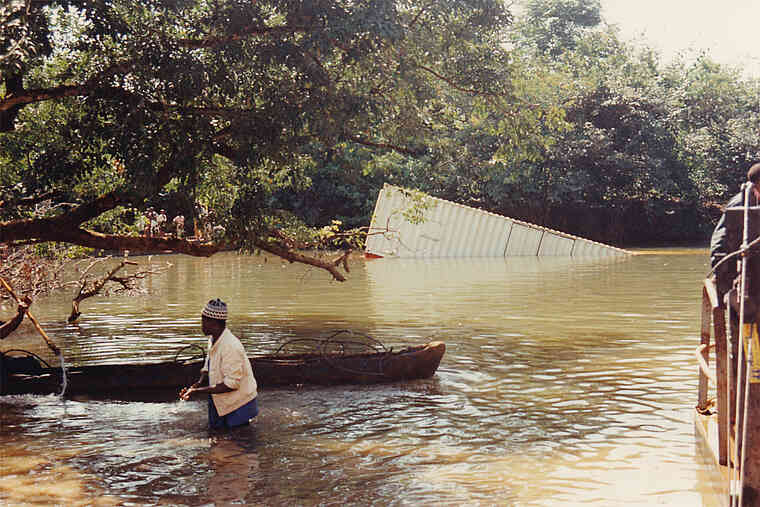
pixel 215 309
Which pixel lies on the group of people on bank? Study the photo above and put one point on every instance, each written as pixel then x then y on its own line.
pixel 155 224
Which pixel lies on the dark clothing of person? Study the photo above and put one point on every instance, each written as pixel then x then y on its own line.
pixel 7 328
pixel 718 247
pixel 723 242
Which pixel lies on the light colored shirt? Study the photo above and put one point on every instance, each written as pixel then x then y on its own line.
pixel 228 362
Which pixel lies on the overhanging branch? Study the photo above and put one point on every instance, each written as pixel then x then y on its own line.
pixel 450 82
pixel 293 256
pixel 65 228
pixel 139 244
pixel 248 31
pixel 386 146
pixel 24 97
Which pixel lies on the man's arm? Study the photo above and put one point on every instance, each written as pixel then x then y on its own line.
pixel 219 388
pixel 12 324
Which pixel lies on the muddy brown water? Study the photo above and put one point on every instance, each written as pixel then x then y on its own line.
pixel 565 382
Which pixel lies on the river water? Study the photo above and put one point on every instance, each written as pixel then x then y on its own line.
pixel 565 382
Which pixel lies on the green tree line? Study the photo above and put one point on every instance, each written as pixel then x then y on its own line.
pixel 621 146
pixel 286 117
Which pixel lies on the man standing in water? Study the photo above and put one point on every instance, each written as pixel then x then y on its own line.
pixel 231 386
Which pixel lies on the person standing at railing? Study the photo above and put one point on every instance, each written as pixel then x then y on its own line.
pixel 724 241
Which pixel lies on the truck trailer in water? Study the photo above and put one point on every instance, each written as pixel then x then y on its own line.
pixel 408 223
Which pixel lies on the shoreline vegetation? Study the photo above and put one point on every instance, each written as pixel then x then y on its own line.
pixel 124 131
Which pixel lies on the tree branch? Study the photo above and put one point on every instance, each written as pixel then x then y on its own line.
pixel 292 256
pixel 386 146
pixel 138 244
pixel 30 96
pixel 16 98
pixel 246 32
pixel 94 208
pixel 417 17
pixel 65 228
pixel 89 288
pixel 449 82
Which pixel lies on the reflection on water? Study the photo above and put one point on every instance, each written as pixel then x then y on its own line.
pixel 565 382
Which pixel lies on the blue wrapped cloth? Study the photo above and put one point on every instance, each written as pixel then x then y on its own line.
pixel 238 417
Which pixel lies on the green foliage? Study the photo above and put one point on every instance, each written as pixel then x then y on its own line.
pixel 290 116
pixel 554 27
pixel 241 107
pixel 419 204
pixel 634 150
pixel 596 137
pixel 19 41
pixel 119 220
pixel 58 252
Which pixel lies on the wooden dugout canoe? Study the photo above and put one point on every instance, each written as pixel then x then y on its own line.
pixel 415 362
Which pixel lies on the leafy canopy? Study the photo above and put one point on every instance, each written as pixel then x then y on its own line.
pixel 126 105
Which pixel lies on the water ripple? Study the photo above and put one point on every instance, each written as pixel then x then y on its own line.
pixel 583 371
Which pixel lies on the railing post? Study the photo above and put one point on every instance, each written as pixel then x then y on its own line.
pixel 705 342
pixel 722 373
pixel 712 311
pixel 751 464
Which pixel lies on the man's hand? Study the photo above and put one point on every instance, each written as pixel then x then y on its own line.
pixel 24 304
pixel 185 393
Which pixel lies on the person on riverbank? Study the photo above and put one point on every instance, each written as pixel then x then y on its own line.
pixel 150 215
pixel 160 222
pixel 725 241
pixel 227 377
pixel 179 226
pixel 8 327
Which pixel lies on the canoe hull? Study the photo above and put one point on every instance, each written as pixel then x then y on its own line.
pixel 270 371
